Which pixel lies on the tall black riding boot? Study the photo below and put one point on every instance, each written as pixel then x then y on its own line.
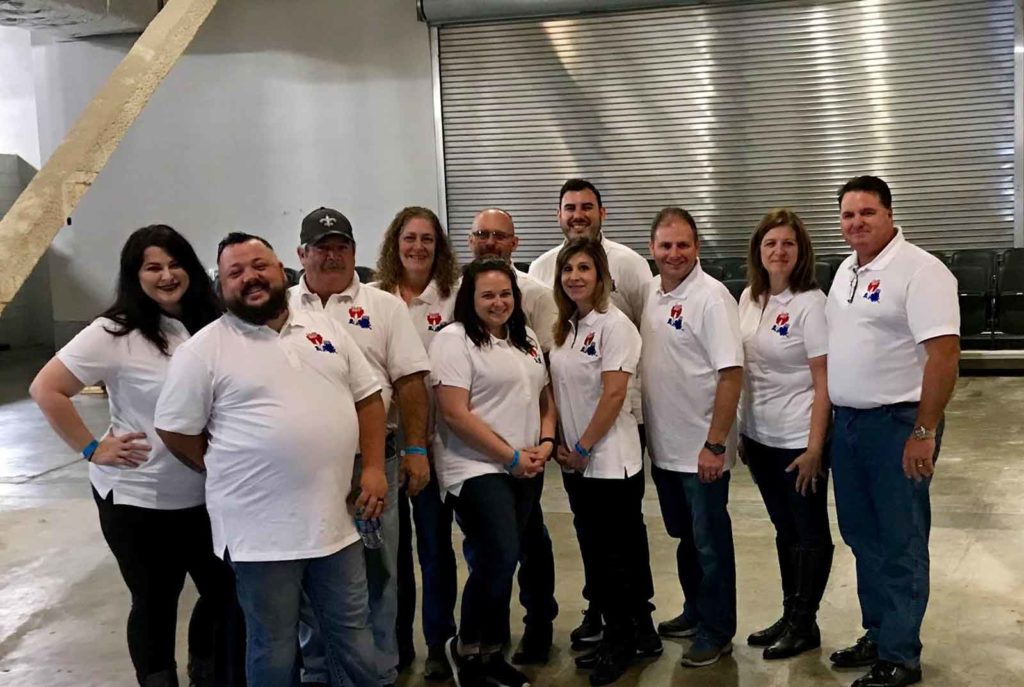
pixel 787 569
pixel 801 633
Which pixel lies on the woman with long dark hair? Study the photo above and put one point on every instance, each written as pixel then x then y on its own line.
pixel 784 418
pixel 151 506
pixel 596 352
pixel 417 264
pixel 496 425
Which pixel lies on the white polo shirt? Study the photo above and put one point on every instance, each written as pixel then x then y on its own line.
pixel 379 323
pixel 689 334
pixel 879 316
pixel 600 342
pixel 504 385
pixel 283 431
pixel 778 390
pixel 539 307
pixel 429 311
pixel 133 370
pixel 630 274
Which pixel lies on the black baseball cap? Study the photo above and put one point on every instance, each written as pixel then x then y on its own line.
pixel 324 222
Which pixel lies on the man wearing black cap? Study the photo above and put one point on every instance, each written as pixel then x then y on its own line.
pixel 380 324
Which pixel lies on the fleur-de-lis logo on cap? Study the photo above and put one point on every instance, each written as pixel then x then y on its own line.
pixel 328 221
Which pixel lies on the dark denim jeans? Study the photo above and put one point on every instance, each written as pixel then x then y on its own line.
pixel 697 514
pixel 885 518
pixel 433 520
pixel 270 593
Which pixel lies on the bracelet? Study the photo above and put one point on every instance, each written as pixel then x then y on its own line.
pixel 90 449
pixel 580 450
pixel 515 461
pixel 414 451
pixel 547 440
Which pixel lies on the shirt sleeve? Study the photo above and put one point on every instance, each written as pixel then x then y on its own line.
pixel 449 360
pixel 932 305
pixel 362 379
pixel 620 346
pixel 543 315
pixel 815 328
pixel 92 356
pixel 639 277
pixel 406 354
pixel 187 397
pixel 720 332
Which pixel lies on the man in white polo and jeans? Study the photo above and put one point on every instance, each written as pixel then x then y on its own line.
pixel 379 323
pixel 893 353
pixel 274 404
pixel 692 365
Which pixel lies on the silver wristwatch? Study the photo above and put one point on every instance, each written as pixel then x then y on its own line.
pixel 923 433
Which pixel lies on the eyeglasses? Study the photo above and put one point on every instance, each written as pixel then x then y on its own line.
pixel 486 234
pixel 854 280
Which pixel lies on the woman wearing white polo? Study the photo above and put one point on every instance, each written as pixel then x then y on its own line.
pixel 417 264
pixel 597 350
pixel 496 422
pixel 784 418
pixel 151 506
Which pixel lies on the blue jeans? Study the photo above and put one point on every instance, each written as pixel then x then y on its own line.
pixel 697 514
pixel 885 518
pixel 433 520
pixel 270 594
pixel 381 580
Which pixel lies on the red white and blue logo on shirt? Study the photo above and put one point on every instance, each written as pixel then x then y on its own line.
pixel 434 323
pixel 874 290
pixel 358 317
pixel 589 347
pixel 535 354
pixel 781 326
pixel 320 343
pixel 675 316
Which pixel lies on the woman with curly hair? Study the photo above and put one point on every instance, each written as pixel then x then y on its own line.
pixel 416 263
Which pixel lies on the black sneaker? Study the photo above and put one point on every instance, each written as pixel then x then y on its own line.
pixel 589 632
pixel 648 643
pixel 436 666
pixel 535 646
pixel 677 628
pixel 467 671
pixel 611 665
pixel 886 674
pixel 862 654
pixel 499 673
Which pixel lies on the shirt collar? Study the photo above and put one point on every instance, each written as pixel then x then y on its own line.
pixel 348 294
pixel 883 259
pixel 295 319
pixel 681 291
pixel 782 298
pixel 172 324
pixel 430 295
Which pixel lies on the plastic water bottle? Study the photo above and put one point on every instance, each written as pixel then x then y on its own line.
pixel 370 531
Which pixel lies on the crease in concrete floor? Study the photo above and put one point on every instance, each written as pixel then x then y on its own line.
pixel 63 605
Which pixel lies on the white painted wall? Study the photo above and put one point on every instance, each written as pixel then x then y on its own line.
pixel 277 108
pixel 18 134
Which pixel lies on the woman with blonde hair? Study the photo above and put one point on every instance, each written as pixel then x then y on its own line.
pixel 784 419
pixel 417 264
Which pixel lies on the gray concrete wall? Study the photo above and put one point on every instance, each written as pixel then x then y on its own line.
pixel 276 108
pixel 18 129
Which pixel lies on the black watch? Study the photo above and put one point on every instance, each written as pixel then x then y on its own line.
pixel 717 449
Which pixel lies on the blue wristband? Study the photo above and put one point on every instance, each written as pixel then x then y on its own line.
pixel 414 451
pixel 90 449
pixel 515 462
pixel 580 450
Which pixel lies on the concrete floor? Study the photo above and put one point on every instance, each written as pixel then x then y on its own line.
pixel 63 605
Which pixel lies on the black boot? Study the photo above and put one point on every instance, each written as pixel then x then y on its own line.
pixel 165 678
pixel 801 633
pixel 201 671
pixel 787 570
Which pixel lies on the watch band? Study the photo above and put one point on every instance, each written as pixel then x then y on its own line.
pixel 921 432
pixel 717 449
pixel 90 449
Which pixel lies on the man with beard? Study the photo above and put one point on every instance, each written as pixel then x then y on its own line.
pixel 274 404
pixel 494 234
pixel 379 323
pixel 581 213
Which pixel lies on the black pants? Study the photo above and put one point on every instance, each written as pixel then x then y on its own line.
pixel 155 549
pixel 610 522
pixel 406 579
pixel 537 567
pixel 492 511
pixel 800 520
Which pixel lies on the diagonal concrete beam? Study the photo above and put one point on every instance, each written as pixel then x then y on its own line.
pixel 28 228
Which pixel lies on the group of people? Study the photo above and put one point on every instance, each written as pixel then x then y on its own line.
pixel 281 453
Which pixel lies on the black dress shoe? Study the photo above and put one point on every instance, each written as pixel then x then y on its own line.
pixel 886 674
pixel 862 654
pixel 589 632
pixel 588 661
pixel 798 637
pixel 535 646
pixel 612 664
pixel 767 636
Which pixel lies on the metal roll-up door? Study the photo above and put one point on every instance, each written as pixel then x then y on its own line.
pixel 729 110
